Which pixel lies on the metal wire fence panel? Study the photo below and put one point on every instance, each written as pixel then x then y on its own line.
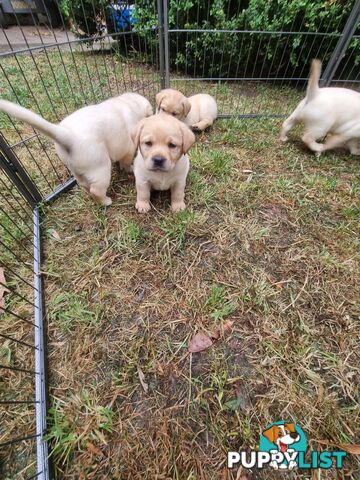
pixel 20 336
pixel 250 54
pixel 63 72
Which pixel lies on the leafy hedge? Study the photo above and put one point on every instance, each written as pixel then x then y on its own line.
pixel 216 54
pixel 85 16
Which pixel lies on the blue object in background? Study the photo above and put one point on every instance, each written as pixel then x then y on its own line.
pixel 120 16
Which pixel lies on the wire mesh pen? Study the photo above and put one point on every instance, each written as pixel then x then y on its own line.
pixel 153 46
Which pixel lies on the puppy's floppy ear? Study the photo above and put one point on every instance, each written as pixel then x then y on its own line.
pixel 187 136
pixel 270 433
pixel 159 98
pixel 290 426
pixel 135 134
pixel 186 106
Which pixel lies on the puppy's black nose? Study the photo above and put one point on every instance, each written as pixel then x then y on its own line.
pixel 294 435
pixel 158 161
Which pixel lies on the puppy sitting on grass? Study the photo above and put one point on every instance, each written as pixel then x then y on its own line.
pixel 330 112
pixel 161 162
pixel 198 111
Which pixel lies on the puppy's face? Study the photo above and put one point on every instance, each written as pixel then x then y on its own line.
pixel 162 141
pixel 173 102
pixel 282 435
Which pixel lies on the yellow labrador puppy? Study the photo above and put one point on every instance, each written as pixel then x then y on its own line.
pixel 198 111
pixel 161 162
pixel 89 140
pixel 334 112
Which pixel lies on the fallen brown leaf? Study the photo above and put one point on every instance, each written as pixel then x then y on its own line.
pixel 3 289
pixel 354 449
pixel 348 447
pixel 93 449
pixel 199 343
pixel 219 332
pixel 215 335
pixel 202 341
pixel 54 234
pixel 228 326
pixel 144 385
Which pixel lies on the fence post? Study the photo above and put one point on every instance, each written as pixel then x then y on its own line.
pixel 341 46
pixel 42 453
pixel 161 42
pixel 17 174
pixel 166 45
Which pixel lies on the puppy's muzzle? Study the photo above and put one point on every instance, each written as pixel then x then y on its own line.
pixel 158 162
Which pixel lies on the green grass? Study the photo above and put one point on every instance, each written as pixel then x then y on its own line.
pixel 217 303
pixel 68 310
pixel 176 227
pixel 65 430
pixel 128 236
pixel 269 241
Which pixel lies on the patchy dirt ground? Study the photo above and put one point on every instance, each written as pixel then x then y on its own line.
pixel 269 241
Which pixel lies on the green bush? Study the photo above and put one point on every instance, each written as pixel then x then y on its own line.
pixel 252 54
pixel 85 16
pixel 256 54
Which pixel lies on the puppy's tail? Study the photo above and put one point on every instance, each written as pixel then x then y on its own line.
pixel 313 83
pixel 55 132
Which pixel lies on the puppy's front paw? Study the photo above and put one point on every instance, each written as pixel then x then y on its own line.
pixel 356 151
pixel 283 138
pixel 142 207
pixel 178 207
pixel 318 148
pixel 195 129
pixel 106 201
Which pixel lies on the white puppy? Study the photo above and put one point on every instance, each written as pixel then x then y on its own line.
pixel 161 162
pixel 198 111
pixel 89 140
pixel 334 112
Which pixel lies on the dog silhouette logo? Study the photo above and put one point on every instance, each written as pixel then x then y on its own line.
pixel 283 440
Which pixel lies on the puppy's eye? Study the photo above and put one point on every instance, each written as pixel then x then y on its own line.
pixel 171 145
pixel 148 143
pixel 173 114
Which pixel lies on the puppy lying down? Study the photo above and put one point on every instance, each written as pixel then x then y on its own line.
pixel 198 111
pixel 161 162
pixel 89 140
pixel 330 112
